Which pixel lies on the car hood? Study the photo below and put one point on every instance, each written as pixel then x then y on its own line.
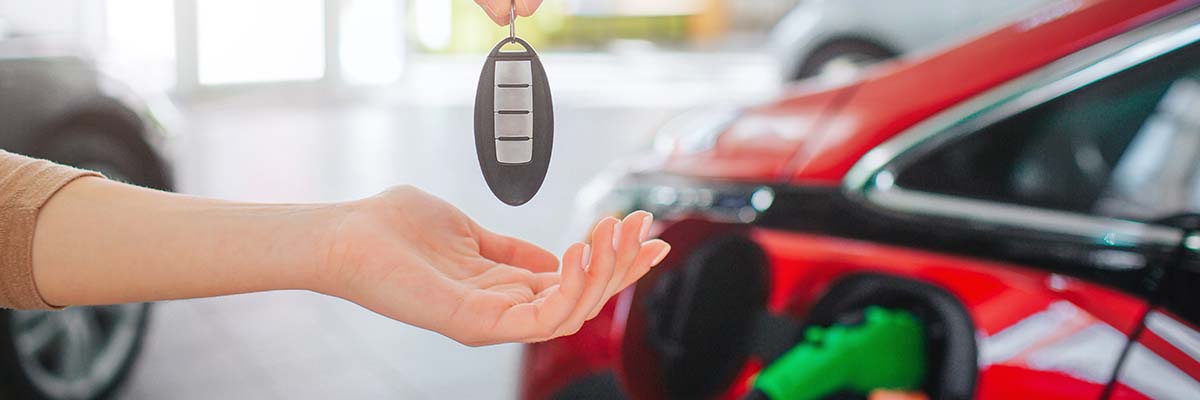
pixel 760 144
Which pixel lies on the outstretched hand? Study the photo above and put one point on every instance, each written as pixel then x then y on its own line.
pixel 498 10
pixel 415 258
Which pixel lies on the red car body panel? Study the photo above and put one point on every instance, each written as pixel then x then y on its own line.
pixel 996 295
pixel 812 138
pixel 567 358
pixel 996 384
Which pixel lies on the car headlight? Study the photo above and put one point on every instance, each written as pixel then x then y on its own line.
pixel 616 192
pixel 668 198
pixel 723 202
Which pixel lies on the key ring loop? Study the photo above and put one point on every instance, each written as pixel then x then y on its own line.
pixel 512 19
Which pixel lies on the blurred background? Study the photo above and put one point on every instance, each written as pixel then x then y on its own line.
pixel 325 100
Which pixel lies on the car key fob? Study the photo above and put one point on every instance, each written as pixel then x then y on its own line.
pixel 514 122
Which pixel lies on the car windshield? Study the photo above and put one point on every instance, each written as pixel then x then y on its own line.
pixel 1127 146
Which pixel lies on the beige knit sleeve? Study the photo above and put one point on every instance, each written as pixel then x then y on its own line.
pixel 26 184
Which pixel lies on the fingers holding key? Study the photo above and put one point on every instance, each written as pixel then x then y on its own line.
pixel 499 10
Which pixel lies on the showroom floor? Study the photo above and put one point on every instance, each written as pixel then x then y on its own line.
pixel 305 147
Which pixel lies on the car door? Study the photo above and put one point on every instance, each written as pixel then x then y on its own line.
pixel 1074 170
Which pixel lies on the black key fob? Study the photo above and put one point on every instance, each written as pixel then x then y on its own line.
pixel 514 123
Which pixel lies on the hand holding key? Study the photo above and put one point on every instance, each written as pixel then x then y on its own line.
pixel 498 10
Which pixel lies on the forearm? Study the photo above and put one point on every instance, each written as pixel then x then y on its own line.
pixel 101 242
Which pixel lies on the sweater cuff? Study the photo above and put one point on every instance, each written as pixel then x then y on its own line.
pixel 26 185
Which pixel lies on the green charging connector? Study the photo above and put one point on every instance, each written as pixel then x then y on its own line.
pixel 885 351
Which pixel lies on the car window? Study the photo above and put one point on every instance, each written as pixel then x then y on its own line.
pixel 1125 146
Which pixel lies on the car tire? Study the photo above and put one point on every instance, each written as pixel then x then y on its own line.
pixel 43 374
pixel 80 352
pixel 856 52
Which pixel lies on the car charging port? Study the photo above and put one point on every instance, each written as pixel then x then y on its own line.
pixel 700 318
pixel 946 332
pixel 699 329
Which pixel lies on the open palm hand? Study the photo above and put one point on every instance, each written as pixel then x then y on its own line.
pixel 415 258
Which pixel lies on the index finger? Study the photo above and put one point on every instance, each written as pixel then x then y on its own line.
pixel 497 10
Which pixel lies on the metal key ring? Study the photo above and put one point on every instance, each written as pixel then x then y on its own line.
pixel 512 19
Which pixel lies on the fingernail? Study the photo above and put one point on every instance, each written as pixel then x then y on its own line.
pixel 646 222
pixel 661 256
pixel 616 235
pixel 587 255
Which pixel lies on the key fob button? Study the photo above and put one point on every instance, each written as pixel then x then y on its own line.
pixel 514 99
pixel 513 73
pixel 514 151
pixel 514 125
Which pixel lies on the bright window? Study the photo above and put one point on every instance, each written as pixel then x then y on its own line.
pixel 259 41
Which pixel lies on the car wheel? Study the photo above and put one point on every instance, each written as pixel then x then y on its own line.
pixel 79 353
pixel 842 60
pixel 74 354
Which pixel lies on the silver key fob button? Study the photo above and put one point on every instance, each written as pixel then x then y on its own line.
pixel 514 123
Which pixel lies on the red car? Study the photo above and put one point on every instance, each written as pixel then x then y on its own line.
pixel 1032 196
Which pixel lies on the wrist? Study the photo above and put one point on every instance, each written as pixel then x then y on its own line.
pixel 352 236
pixel 311 253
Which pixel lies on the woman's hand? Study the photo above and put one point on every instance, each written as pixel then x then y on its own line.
pixel 415 258
pixel 499 9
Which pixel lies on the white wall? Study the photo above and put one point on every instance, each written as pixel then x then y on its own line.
pixel 76 22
